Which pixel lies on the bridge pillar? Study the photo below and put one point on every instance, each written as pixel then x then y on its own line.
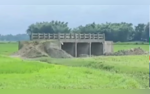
pixel 90 49
pixel 75 49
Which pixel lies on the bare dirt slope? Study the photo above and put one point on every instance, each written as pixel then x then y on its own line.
pixel 34 49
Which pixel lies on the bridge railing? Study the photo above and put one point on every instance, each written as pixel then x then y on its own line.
pixel 66 36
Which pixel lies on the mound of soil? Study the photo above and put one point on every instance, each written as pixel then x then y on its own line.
pixel 133 51
pixel 34 49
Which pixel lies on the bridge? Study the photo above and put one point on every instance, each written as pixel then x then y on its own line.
pixel 77 44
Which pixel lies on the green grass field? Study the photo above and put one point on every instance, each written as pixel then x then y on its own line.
pixel 8 48
pixel 126 47
pixel 123 72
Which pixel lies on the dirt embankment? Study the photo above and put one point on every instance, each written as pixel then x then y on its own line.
pixel 34 49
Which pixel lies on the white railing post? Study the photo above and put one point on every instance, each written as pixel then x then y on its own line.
pixel 67 36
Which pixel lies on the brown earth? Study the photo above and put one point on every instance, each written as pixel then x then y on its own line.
pixel 34 49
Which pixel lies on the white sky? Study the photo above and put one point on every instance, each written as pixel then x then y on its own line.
pixel 15 19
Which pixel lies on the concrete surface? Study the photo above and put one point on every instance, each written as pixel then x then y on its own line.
pixel 108 47
pixel 96 49
pixel 78 49
pixel 69 48
pixel 83 48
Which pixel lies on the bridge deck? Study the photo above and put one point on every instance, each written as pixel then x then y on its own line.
pixel 69 37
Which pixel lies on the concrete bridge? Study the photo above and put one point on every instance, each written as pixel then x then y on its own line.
pixel 78 44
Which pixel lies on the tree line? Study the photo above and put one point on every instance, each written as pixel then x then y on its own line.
pixel 117 32
pixel 18 37
pixel 113 31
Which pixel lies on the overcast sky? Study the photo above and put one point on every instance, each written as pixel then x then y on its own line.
pixel 15 19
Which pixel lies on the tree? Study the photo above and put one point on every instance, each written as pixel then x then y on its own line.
pixel 49 27
pixel 139 32
pixel 18 37
pixel 112 31
pixel 146 32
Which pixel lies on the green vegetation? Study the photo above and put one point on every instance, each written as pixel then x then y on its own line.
pixel 100 72
pixel 113 31
pixel 126 47
pixel 8 48
pixel 132 43
pixel 110 72
pixel 18 37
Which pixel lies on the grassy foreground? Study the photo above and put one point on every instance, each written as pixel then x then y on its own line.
pixel 123 72
pixel 87 73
